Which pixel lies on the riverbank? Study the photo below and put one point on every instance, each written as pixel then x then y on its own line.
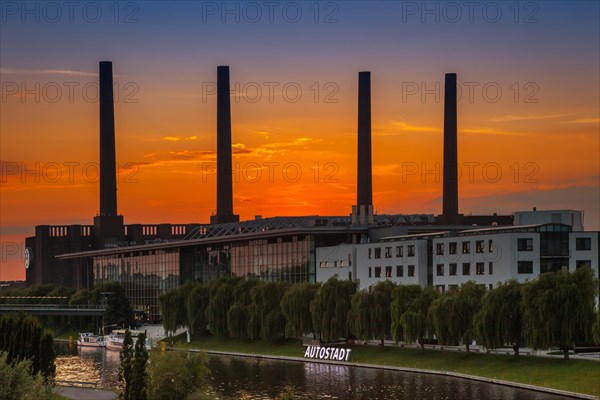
pixel 576 376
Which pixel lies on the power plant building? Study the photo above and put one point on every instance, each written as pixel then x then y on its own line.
pixel 148 259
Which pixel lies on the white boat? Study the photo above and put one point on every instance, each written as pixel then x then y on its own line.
pixel 114 341
pixel 88 339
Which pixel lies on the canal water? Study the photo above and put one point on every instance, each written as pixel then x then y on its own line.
pixel 265 379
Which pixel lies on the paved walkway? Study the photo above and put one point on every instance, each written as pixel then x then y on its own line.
pixel 77 393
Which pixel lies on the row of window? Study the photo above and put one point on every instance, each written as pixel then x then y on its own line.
pixel 376 252
pixel 466 247
pixel 388 271
pixel 523 244
pixel 466 269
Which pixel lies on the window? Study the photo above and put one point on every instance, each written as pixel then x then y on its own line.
pixel 440 270
pixel 453 268
pixel 377 252
pixel 491 268
pixel 479 246
pixel 480 268
pixel 466 247
pixel 335 264
pixel 452 247
pixel 440 249
pixel 525 267
pixel 369 271
pixel 411 250
pixel 466 268
pixel 350 260
pixel 583 243
pixel 411 270
pixel 321 264
pixel 388 272
pixel 377 272
pixel 388 252
pixel 524 244
pixel 370 251
pixel 491 286
pixel 399 271
pixel 490 246
pixel 440 288
pixel 583 263
pixel 399 251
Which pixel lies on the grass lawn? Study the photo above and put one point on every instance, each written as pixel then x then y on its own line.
pixel 579 376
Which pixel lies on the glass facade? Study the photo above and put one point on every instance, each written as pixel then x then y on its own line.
pixel 149 273
pixel 145 275
pixel 279 259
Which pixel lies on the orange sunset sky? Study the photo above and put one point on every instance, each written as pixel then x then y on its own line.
pixel 528 127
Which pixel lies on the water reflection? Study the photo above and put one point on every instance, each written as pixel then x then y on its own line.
pixel 265 379
pixel 91 365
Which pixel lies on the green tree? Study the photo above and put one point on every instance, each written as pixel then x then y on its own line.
pixel 330 307
pixel 237 321
pixel 415 322
pixel 453 314
pixel 176 375
pixel 295 306
pixel 500 319
pixel 359 316
pixel 559 309
pixel 381 318
pixel 118 310
pixel 197 303
pixel 21 339
pixel 47 357
pixel 126 367
pixel 217 309
pixel 172 309
pixel 17 382
pixel 265 311
pixel 402 296
pixel 139 372
pixel 596 328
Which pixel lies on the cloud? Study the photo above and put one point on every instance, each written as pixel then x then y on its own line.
pixel 386 170
pixel 586 121
pixel 508 118
pixel 179 138
pixel 393 128
pixel 490 131
pixel 65 72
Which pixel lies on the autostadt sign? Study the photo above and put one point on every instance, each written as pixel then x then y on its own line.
pixel 327 353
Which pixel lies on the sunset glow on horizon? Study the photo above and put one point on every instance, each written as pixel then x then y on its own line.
pixel 528 112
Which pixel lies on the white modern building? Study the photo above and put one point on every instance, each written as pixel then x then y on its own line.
pixel 449 258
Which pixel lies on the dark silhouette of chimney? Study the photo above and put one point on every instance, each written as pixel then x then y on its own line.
pixel 224 171
pixel 108 226
pixel 363 211
pixel 450 213
pixel 108 159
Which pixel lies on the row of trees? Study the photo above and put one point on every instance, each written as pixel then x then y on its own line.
pixel 555 310
pixel 23 339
